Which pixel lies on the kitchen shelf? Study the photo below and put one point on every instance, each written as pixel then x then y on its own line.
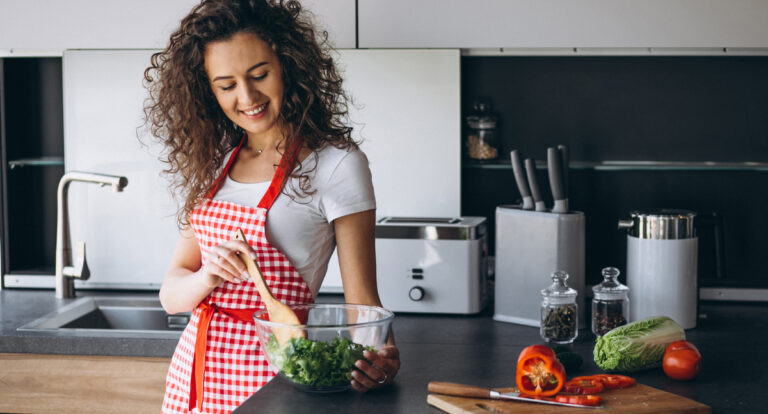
pixel 36 162
pixel 632 165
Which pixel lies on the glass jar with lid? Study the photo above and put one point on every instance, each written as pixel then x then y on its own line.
pixel 610 303
pixel 482 140
pixel 559 311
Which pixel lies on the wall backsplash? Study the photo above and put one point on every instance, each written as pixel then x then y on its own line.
pixel 634 108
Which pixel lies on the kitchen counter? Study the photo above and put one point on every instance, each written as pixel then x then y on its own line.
pixel 479 351
pixel 472 349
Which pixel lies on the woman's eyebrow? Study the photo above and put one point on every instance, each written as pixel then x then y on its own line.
pixel 249 69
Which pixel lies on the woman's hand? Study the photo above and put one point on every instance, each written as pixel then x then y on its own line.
pixel 379 371
pixel 223 263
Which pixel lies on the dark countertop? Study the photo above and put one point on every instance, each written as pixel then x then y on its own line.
pixel 479 351
pixel 472 349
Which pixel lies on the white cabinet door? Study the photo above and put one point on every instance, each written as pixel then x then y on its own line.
pixel 55 25
pixel 407 111
pixel 129 235
pixel 563 24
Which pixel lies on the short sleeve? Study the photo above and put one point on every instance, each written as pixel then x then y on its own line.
pixel 349 188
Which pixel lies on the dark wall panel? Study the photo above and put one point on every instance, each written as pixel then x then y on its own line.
pixel 633 109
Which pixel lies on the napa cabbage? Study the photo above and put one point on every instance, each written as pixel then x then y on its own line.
pixel 638 345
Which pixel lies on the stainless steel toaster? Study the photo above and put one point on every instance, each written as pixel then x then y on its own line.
pixel 432 265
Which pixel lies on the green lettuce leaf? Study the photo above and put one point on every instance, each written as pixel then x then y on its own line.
pixel 316 363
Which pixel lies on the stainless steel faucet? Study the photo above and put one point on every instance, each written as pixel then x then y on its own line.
pixel 65 272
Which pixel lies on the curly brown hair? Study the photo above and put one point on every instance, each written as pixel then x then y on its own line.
pixel 182 111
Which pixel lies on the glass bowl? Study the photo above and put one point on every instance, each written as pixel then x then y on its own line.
pixel 319 354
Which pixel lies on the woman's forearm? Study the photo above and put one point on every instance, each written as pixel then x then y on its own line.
pixel 182 290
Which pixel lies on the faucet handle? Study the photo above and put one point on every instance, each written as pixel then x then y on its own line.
pixel 80 270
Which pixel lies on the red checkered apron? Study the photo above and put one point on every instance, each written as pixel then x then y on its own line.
pixel 218 362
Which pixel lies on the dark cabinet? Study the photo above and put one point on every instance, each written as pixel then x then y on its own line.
pixel 32 163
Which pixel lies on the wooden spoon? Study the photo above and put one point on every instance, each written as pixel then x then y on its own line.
pixel 278 311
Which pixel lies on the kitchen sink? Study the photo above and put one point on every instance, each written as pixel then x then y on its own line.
pixel 112 316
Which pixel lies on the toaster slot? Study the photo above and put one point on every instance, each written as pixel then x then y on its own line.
pixel 420 220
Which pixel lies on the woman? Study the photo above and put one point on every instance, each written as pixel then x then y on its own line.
pixel 250 108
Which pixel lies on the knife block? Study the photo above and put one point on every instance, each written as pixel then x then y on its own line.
pixel 530 246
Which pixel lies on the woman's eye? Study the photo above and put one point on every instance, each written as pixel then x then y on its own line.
pixel 228 88
pixel 258 78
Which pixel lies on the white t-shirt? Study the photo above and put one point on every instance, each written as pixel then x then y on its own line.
pixel 302 227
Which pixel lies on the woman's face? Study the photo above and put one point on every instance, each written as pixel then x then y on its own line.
pixel 246 78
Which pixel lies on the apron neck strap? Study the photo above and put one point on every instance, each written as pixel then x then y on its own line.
pixel 284 169
pixel 217 183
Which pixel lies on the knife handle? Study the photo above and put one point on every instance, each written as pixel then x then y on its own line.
pixel 566 160
pixel 459 390
pixel 533 182
pixel 522 186
pixel 554 165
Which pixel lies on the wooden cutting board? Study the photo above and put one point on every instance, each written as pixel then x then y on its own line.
pixel 635 399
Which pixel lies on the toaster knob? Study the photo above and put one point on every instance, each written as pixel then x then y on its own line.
pixel 416 293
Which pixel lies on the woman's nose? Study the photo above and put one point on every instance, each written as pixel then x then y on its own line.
pixel 247 94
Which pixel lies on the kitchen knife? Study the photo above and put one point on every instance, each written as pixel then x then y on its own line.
pixel 530 170
pixel 522 186
pixel 461 390
pixel 555 167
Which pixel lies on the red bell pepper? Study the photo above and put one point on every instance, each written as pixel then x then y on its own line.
pixel 539 373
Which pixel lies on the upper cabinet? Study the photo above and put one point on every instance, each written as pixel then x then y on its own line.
pixel 337 17
pixel 525 24
pixel 50 26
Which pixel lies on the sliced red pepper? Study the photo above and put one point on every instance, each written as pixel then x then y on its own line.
pixel 590 400
pixel 584 385
pixel 539 373
pixel 613 381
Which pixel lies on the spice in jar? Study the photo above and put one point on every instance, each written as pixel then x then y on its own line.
pixel 559 323
pixel 559 311
pixel 610 303
pixel 608 315
pixel 479 149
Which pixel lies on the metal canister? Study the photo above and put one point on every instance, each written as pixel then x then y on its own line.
pixel 662 258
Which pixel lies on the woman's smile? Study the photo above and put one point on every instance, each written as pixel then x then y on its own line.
pixel 256 112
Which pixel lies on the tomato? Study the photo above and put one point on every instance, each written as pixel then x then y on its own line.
pixel 584 385
pixel 539 373
pixel 591 400
pixel 682 361
pixel 613 381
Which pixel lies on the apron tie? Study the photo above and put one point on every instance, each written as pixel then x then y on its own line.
pixel 207 309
